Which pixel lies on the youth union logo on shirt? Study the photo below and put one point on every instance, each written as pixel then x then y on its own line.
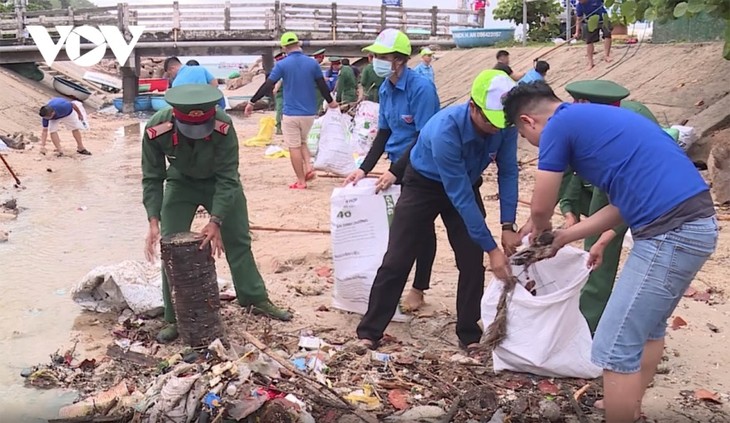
pixel 101 37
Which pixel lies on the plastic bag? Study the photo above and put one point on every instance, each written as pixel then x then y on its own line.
pixel 313 136
pixel 335 153
pixel 360 223
pixel 267 125
pixel 365 126
pixel 546 334
pixel 687 136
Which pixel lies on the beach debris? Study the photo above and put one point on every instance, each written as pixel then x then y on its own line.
pixel 678 322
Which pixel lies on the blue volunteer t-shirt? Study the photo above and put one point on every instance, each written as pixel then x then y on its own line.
pixel 300 73
pixel 590 8
pixel 404 109
pixel 425 71
pixel 61 107
pixel 531 76
pixel 624 154
pixel 451 151
pixel 195 75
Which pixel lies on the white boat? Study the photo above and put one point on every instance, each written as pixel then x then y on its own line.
pixel 70 89
pixel 236 100
pixel 108 82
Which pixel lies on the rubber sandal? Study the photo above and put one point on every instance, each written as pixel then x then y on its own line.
pixel 362 346
pixel 310 175
pixel 84 152
pixel 296 185
pixel 473 350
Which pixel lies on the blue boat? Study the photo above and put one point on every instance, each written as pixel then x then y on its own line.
pixel 141 104
pixel 481 37
pixel 158 102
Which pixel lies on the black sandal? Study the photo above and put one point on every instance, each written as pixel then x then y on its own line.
pixel 84 152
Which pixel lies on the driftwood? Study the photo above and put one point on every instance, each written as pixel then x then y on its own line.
pixel 115 351
pixel 366 417
pixel 304 231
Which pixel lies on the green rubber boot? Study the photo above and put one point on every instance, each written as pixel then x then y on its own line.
pixel 167 334
pixel 267 308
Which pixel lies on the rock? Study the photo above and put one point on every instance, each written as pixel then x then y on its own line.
pixel 550 411
pixel 13 142
pixel 3 237
pixel 423 413
pixel 26 372
pixel 719 166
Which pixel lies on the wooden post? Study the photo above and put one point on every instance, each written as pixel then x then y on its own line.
pixel 176 15
pixel 403 21
pixel 434 20
pixel 282 19
pixel 359 22
pixel 383 17
pixel 334 21
pixel 227 16
pixel 20 20
pixel 317 14
pixel 71 16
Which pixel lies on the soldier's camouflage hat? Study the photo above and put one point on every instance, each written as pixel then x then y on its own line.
pixel 597 91
pixel 193 107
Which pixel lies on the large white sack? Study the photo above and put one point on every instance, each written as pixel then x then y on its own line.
pixel 365 126
pixel 313 136
pixel 130 284
pixel 687 136
pixel 546 334
pixel 360 223
pixel 335 153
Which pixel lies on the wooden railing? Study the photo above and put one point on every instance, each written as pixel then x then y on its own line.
pixel 236 19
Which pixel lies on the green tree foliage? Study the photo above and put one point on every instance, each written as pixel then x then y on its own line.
pixel 8 6
pixel 541 17
pixel 664 10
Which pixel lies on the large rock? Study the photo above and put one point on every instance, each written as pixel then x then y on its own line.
pixel 719 166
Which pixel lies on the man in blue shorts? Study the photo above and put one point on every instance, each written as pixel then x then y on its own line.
pixel 652 186
pixel 585 11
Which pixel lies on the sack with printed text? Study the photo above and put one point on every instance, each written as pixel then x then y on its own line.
pixel 365 126
pixel 335 153
pixel 360 223
pixel 313 136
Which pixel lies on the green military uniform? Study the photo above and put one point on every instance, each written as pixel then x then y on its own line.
pixel 320 99
pixel 200 143
pixel 346 86
pixel 580 198
pixel 279 99
pixel 370 83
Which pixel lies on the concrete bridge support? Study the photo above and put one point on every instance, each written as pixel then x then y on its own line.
pixel 130 82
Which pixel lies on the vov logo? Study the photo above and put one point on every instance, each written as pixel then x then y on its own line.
pixel 101 37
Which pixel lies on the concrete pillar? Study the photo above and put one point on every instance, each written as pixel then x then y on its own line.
pixel 130 82
pixel 268 61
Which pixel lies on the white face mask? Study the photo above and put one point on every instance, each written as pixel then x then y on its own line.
pixel 382 68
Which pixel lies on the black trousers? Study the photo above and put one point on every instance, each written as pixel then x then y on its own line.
pixel 420 202
pixel 426 257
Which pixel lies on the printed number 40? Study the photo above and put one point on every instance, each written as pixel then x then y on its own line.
pixel 342 214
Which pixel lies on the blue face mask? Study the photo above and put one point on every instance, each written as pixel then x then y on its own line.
pixel 382 68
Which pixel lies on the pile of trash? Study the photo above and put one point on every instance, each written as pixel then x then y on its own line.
pixel 271 376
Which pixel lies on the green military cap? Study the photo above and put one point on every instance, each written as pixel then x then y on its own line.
pixel 640 109
pixel 319 52
pixel 193 107
pixel 335 59
pixel 597 91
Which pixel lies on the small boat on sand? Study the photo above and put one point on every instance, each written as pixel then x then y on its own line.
pixel 70 89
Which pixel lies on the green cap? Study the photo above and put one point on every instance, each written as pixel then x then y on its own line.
pixel 597 91
pixel 289 38
pixel 390 41
pixel 193 106
pixel 319 52
pixel 640 109
pixel 488 90
pixel 426 52
pixel 335 59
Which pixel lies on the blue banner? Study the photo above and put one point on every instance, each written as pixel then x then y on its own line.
pixel 392 3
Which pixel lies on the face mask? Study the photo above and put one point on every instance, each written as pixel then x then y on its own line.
pixel 382 68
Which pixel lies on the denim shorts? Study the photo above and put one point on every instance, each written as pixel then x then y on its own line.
pixel 655 276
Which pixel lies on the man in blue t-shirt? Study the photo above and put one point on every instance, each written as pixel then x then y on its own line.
pixel 302 76
pixel 443 179
pixel 60 111
pixel 584 11
pixel 652 186
pixel 180 74
pixel 537 73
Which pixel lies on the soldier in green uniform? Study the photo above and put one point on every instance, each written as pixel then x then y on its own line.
pixel 346 84
pixel 279 96
pixel 319 57
pixel 370 82
pixel 200 144
pixel 579 198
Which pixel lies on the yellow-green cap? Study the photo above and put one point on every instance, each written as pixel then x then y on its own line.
pixel 488 90
pixel 390 41
pixel 426 52
pixel 289 38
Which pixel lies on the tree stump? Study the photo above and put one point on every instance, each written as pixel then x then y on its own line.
pixel 719 167
pixel 193 285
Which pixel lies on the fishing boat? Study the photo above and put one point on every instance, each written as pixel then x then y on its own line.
pixel 70 89
pixel 155 84
pixel 481 37
pixel 108 83
pixel 142 103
